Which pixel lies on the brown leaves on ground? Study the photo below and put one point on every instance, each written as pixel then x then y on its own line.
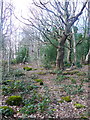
pixel 58 86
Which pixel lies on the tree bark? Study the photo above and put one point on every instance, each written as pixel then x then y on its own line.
pixel 69 51
pixel 2 41
pixel 87 60
pixel 60 53
pixel 74 45
pixel 87 57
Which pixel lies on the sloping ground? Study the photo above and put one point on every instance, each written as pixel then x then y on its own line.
pixel 73 83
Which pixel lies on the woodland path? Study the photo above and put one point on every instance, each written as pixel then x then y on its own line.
pixel 56 91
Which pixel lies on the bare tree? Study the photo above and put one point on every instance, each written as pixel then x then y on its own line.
pixel 10 29
pixel 44 21
pixel 88 55
pixel 63 14
pixel 1 39
pixel 5 32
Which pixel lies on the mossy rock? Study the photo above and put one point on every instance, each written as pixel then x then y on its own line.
pixel 14 100
pixel 6 111
pixel 66 98
pixel 27 68
pixel 38 80
pixel 70 72
pixel 78 105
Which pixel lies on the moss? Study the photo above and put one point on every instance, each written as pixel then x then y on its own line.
pixel 61 101
pixel 14 100
pixel 70 72
pixel 38 80
pixel 41 83
pixel 41 73
pixel 6 111
pixel 6 82
pixel 18 81
pixel 66 98
pixel 78 105
pixel 84 118
pixel 81 74
pixel 6 90
pixel 55 72
pixel 41 68
pixel 27 68
pixel 35 69
pixel 53 109
pixel 66 64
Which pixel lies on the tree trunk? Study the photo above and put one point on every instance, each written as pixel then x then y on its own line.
pixel 69 51
pixel 2 41
pixel 87 60
pixel 60 56
pixel 74 45
pixel 60 53
pixel 10 49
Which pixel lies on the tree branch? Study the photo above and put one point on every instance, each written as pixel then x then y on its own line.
pixel 77 16
pixel 48 10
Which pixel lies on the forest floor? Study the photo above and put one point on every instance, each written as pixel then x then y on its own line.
pixel 52 86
